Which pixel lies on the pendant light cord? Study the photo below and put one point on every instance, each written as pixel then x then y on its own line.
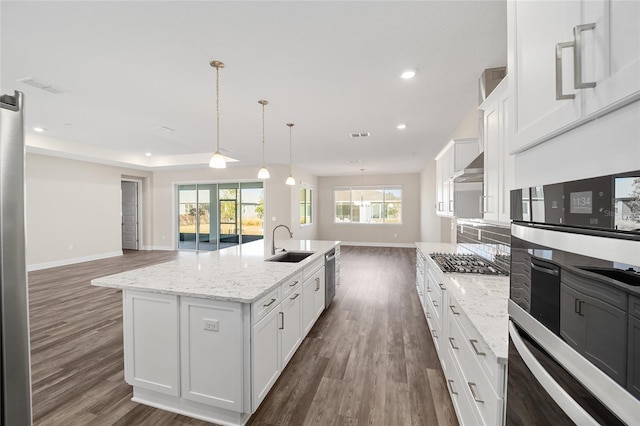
pixel 263 135
pixel 290 152
pixel 217 109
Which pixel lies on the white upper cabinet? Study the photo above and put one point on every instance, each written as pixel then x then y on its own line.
pixel 569 62
pixel 459 200
pixel 498 163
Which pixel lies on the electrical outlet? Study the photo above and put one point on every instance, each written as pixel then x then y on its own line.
pixel 211 324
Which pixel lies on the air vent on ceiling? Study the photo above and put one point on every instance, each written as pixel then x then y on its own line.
pixel 39 84
pixel 359 134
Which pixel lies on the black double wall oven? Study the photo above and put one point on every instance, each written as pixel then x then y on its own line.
pixel 574 308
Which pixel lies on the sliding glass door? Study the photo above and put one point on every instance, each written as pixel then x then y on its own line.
pixel 214 216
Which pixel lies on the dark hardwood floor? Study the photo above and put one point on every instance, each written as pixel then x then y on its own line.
pixel 368 360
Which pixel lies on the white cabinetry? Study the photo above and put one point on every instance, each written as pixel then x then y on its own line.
pixel 151 342
pixel 477 382
pixel 203 350
pixel 569 62
pixel 312 299
pixel 498 163
pixel 291 325
pixel 453 199
pixel 265 356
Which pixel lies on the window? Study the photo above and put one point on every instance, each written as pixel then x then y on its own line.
pixel 306 197
pixel 373 205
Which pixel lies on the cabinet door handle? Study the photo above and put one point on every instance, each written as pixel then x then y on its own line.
pixel 472 388
pixel 295 296
pixel 481 202
pixel 434 303
pixel 433 333
pixel 281 320
pixel 452 343
pixel 577 56
pixel 450 205
pixel 559 94
pixel 317 283
pixel 475 348
pixel 580 305
pixel 428 314
pixel 295 283
pixel 453 310
pixel 442 287
pixel 440 206
pixel 270 303
pixel 453 392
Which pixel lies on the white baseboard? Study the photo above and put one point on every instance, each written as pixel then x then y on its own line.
pixel 164 248
pixel 381 244
pixel 71 261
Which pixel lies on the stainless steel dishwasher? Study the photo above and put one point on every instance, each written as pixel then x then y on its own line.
pixel 329 277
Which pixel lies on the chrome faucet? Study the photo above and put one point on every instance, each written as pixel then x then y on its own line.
pixel 273 237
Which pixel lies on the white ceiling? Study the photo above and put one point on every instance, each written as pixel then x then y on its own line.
pixel 330 67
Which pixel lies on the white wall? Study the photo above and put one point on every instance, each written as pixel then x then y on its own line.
pixel 430 223
pixel 405 234
pixel 610 144
pixel 279 198
pixel 73 210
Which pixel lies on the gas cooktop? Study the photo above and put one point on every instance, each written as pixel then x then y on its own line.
pixel 466 264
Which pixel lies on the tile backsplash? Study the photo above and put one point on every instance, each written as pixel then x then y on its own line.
pixel 488 240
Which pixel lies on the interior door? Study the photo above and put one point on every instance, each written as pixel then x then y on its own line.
pixel 129 215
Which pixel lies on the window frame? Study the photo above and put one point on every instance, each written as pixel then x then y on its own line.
pixel 307 203
pixel 383 189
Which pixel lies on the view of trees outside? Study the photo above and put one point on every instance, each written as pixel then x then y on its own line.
pixel 244 205
pixel 627 204
pixel 368 205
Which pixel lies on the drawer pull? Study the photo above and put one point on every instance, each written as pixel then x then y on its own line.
pixel 428 314
pixel 433 332
pixel 282 320
pixel 434 303
pixel 451 342
pixel 442 287
pixel 295 283
pixel 270 303
pixel 475 348
pixel 453 310
pixel 472 388
pixel 295 296
pixel 453 392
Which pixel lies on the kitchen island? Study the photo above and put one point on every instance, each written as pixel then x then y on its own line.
pixel 207 336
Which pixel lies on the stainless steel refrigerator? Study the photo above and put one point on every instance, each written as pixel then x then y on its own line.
pixel 15 406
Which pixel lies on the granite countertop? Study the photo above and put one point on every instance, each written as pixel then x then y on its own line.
pixel 235 274
pixel 484 298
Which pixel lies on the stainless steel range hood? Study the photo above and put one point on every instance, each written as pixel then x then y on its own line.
pixel 474 172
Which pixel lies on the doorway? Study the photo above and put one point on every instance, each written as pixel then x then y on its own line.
pixel 130 193
pixel 218 215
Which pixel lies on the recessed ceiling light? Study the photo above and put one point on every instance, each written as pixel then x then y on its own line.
pixel 355 161
pixel 148 154
pixel 38 129
pixel 359 134
pixel 401 126
pixel 408 74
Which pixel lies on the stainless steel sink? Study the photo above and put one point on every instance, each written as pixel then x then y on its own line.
pixel 290 256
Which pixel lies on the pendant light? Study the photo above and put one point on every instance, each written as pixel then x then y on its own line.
pixel 290 180
pixel 217 161
pixel 263 173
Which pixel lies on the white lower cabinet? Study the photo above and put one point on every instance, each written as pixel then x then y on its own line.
pixel 265 356
pixel 476 380
pixel 204 349
pixel 151 342
pixel 290 325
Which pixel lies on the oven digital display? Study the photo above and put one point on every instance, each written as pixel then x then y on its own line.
pixel 581 202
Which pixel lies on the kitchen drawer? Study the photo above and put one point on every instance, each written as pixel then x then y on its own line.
pixel 460 394
pixel 479 351
pixel 435 325
pixel 265 304
pixel 482 391
pixel 291 284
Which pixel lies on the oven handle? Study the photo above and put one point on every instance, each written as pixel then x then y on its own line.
pixel 544 270
pixel 559 395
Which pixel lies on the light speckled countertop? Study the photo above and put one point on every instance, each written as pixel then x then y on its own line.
pixel 236 274
pixel 484 298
